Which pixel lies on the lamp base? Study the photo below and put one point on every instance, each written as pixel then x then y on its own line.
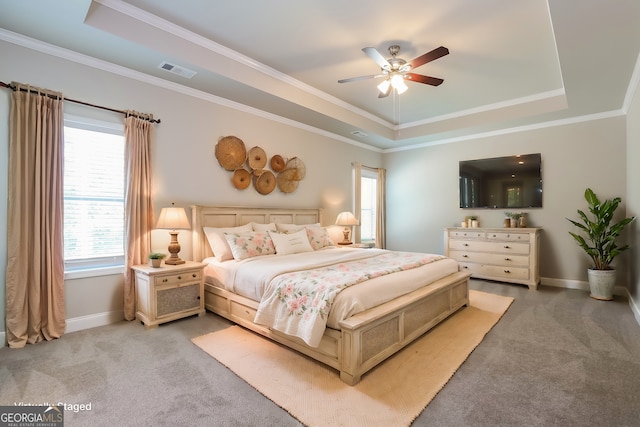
pixel 345 237
pixel 174 261
pixel 174 250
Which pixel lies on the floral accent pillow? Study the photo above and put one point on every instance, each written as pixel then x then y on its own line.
pixel 248 245
pixel 219 246
pixel 319 237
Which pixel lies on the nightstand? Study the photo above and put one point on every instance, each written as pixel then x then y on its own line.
pixel 168 293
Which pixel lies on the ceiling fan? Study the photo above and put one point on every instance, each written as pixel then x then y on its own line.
pixel 397 70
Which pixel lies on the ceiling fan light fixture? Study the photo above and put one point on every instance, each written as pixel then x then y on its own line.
pixel 397 81
pixel 384 86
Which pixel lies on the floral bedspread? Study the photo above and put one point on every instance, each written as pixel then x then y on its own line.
pixel 298 303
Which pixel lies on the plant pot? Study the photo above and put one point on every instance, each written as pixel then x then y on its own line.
pixel 155 263
pixel 601 284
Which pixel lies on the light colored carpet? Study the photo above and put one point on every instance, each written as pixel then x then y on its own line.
pixel 392 394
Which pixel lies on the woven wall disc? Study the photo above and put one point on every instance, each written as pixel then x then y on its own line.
pixel 277 163
pixel 265 182
pixel 296 163
pixel 231 152
pixel 287 182
pixel 241 178
pixel 257 158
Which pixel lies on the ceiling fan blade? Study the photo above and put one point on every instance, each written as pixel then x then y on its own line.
pixel 436 53
pixel 377 57
pixel 419 78
pixel 355 79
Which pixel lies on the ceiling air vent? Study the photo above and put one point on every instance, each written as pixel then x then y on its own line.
pixel 176 69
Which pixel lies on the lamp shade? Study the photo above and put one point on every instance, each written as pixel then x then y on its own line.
pixel 346 219
pixel 173 218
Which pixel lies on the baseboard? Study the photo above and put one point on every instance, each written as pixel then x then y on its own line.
pixel 100 319
pixel 76 324
pixel 564 283
pixel 634 307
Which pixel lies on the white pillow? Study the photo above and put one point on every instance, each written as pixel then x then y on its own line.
pixel 218 243
pixel 291 243
pixel 318 237
pixel 263 227
pixel 249 245
pixel 289 228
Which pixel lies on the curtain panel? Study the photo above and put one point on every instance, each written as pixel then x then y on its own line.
pixel 35 308
pixel 139 215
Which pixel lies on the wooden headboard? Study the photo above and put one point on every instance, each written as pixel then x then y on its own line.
pixel 225 216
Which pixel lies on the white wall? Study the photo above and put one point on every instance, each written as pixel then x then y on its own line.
pixel 633 196
pixel 185 170
pixel 423 188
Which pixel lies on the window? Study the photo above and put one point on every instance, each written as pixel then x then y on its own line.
pixel 93 194
pixel 368 205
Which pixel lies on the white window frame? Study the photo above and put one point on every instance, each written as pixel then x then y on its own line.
pixel 98 266
pixel 367 173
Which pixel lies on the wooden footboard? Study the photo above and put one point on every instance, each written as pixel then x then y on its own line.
pixel 366 339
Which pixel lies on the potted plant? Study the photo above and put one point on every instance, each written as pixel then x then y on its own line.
pixel 155 258
pixel 600 242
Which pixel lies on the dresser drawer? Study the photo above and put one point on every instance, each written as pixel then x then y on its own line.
pixel 467 234
pixel 511 237
pixel 176 279
pixel 484 246
pixel 496 272
pixel 490 258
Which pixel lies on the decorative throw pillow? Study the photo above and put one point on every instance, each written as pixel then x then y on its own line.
pixel 291 243
pixel 263 227
pixel 318 237
pixel 290 228
pixel 218 243
pixel 248 245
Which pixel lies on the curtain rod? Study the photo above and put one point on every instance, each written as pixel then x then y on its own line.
pixel 3 84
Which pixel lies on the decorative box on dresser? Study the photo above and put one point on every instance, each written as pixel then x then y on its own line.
pixel 168 293
pixel 501 254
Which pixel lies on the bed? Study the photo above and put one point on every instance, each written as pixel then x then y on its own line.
pixel 355 344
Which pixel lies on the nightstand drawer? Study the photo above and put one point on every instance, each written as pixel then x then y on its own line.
pixel 174 279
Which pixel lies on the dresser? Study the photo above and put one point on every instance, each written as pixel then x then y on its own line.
pixel 501 254
pixel 168 293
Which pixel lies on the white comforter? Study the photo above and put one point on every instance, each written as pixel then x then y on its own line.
pixel 250 278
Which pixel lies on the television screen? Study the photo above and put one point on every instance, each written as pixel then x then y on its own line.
pixel 502 182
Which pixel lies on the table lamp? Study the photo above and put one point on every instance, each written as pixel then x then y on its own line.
pixel 347 220
pixel 173 218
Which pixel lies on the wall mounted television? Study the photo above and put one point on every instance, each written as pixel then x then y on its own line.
pixel 511 182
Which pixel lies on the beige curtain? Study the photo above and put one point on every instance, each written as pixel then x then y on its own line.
pixel 381 229
pixel 139 216
pixel 381 241
pixel 35 307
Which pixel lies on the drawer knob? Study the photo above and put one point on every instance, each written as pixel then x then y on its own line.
pixel 194 275
pixel 507 259
pixel 466 244
pixel 164 280
pixel 464 266
pixel 507 271
pixel 506 246
pixel 465 256
pixel 179 277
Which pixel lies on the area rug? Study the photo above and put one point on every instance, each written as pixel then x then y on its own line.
pixel 392 394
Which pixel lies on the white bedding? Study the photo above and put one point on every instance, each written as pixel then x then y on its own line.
pixel 249 278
